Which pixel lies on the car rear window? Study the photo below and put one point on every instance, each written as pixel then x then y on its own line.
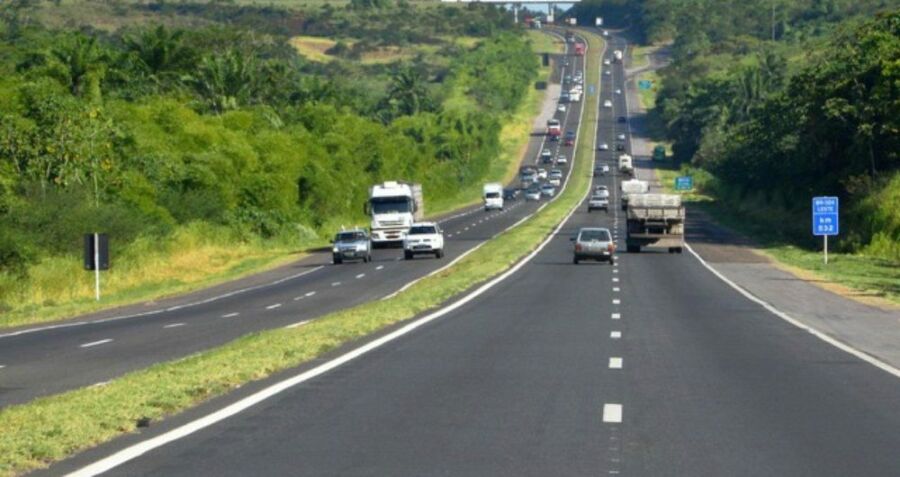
pixel 422 229
pixel 598 235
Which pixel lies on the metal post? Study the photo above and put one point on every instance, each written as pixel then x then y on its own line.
pixel 97 265
pixel 826 250
pixel 515 8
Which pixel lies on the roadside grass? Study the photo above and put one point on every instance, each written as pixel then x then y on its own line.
pixel 640 56
pixel 48 429
pixel 864 276
pixel 315 48
pixel 648 96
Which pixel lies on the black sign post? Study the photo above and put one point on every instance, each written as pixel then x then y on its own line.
pixel 96 257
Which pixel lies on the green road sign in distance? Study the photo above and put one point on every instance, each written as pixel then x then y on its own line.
pixel 684 183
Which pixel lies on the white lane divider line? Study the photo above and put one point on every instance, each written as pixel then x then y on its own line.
pixel 612 413
pixel 2 366
pixel 615 279
pixel 616 289
pixel 297 324
pixel 95 343
pixel 615 270
pixel 615 334
pixel 173 325
pixel 617 301
pixel 298 298
pixel 230 315
pixel 616 316
pixel 272 307
pixel 336 284
pixel 360 276
pixel 379 267
pixel 310 293
pixel 615 363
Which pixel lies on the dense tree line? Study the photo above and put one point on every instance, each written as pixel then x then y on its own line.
pixel 142 131
pixel 784 100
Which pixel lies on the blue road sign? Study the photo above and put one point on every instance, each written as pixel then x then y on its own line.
pixel 825 216
pixel 645 84
pixel 684 183
pixel 591 89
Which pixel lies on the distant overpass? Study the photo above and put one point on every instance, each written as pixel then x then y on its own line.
pixel 517 4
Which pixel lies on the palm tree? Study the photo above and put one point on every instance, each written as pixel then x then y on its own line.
pixel 226 81
pixel 408 91
pixel 160 50
pixel 78 63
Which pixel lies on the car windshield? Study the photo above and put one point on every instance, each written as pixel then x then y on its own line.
pixel 492 195
pixel 422 230
pixel 350 236
pixel 594 235
pixel 390 205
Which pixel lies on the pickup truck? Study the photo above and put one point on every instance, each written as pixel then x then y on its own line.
pixel 424 238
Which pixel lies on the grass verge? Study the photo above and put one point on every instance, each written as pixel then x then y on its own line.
pixel 200 256
pixel 49 429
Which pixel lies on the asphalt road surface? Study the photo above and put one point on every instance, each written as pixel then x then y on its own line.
pixel 650 367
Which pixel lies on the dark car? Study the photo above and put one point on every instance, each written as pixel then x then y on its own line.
pixel 622 119
pixel 510 193
pixel 620 147
pixel 570 138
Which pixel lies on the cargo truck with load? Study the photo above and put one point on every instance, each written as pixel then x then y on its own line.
pixel 393 207
pixel 633 186
pixel 618 55
pixel 655 220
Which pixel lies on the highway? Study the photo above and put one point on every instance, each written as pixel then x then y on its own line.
pixel 653 366
pixel 49 359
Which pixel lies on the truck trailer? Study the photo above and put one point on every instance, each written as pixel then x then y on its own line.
pixel 655 220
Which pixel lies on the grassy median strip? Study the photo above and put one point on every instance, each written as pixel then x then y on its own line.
pixel 35 434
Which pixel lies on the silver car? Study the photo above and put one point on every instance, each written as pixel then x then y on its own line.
pixel 594 243
pixel 351 245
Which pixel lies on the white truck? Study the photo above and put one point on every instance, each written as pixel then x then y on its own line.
pixel 633 186
pixel 625 164
pixel 393 207
pixel 493 196
pixel 655 220
pixel 575 95
pixel 618 55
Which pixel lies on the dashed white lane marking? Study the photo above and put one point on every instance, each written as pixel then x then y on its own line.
pixel 612 413
pixel 615 270
pixel 616 316
pixel 615 334
pixel 298 324
pixel 615 363
pixel 616 279
pixel 335 284
pixel 298 298
pixel 379 267
pixel 466 228
pixel 617 301
pixel 310 293
pixel 360 276
pixel 449 235
pixel 95 343
pixel 272 307
pixel 230 315
pixel 616 289
pixel 2 366
pixel 173 325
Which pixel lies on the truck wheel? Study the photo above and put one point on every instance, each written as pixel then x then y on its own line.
pixel 407 255
pixel 336 260
pixel 634 248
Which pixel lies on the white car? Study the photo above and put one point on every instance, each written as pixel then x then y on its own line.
pixel 548 190
pixel 606 61
pixel 603 193
pixel 533 194
pixel 605 33
pixel 561 108
pixel 554 181
pixel 603 147
pixel 618 91
pixel 561 160
pixel 621 136
pixel 423 238
pixel 607 73
pixel 607 104
pixel 542 174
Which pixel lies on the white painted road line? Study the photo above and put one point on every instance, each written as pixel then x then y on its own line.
pixel 615 270
pixel 230 315
pixel 272 307
pixel 95 343
pixel 360 276
pixel 616 316
pixel 615 279
pixel 140 448
pixel 173 325
pixel 335 284
pixel 379 267
pixel 310 293
pixel 298 324
pixel 615 363
pixel 616 289
pixel 617 301
pixel 2 366
pixel 298 298
pixel 612 413
pixel 615 334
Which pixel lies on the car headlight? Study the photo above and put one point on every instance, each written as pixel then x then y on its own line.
pixel 335 250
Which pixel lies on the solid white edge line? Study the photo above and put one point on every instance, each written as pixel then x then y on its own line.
pixel 141 448
pixel 95 343
pixel 297 324
pixel 162 310
pixel 612 413
pixel 784 316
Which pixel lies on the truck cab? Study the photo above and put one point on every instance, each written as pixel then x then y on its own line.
pixel 493 196
pixel 625 164
pixel 393 207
